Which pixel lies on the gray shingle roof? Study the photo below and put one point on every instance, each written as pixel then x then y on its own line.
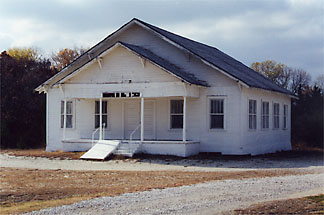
pixel 179 72
pixel 210 54
pixel 221 60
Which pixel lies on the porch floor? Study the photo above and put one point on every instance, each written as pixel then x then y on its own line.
pixel 160 147
pixel 81 140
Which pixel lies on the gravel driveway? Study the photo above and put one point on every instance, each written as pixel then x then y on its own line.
pixel 162 164
pixel 218 197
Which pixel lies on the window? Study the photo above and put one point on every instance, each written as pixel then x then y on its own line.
pixel 252 114
pixel 265 115
pixel 275 115
pixel 176 114
pixel 104 113
pixel 69 114
pixel 216 114
pixel 285 116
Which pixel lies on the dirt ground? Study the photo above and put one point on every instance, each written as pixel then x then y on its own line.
pixel 298 152
pixel 302 206
pixel 24 190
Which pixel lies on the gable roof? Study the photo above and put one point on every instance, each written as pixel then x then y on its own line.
pixel 161 62
pixel 210 55
pixel 222 61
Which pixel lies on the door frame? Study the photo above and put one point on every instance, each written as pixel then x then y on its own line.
pixel 154 115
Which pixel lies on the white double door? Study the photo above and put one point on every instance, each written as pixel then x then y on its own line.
pixel 132 119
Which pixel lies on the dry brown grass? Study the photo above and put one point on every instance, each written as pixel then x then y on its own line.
pixel 302 206
pixel 299 151
pixel 23 190
pixel 42 153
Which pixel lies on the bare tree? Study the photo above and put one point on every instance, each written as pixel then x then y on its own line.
pixel 299 79
pixel 320 82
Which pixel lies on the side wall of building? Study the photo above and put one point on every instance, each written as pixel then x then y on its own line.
pixel 265 140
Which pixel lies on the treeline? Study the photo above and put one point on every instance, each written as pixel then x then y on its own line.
pixel 23 110
pixel 307 109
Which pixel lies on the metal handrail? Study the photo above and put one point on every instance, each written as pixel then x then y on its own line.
pixel 95 131
pixel 131 136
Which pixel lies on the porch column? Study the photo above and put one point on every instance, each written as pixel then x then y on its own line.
pixel 142 119
pixel 184 119
pixel 64 118
pixel 100 119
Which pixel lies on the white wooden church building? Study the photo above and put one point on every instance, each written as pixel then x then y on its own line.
pixel 146 87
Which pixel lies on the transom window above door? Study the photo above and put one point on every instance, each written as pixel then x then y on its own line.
pixel 104 114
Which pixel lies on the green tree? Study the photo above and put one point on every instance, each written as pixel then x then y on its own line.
pixel 22 109
pixel 307 117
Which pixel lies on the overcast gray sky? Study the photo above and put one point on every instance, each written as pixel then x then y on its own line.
pixel 288 31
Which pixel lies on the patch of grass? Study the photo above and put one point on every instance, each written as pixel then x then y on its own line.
pixel 319 198
pixel 301 206
pixel 42 153
pixel 24 207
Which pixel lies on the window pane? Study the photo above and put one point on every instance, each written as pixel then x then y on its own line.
pixel 104 107
pixel 176 106
pixel 69 121
pixel 216 121
pixel 104 120
pixel 250 122
pixel 69 107
pixel 62 121
pixel 97 121
pixel 176 121
pixel 62 107
pixel 217 106
pixel 97 110
pixel 254 121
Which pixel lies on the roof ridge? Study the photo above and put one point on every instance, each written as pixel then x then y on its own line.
pixel 226 56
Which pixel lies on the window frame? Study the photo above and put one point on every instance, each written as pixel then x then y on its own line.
pixel 263 115
pixel 107 126
pixel 276 116
pixel 175 114
pixel 72 114
pixel 253 115
pixel 216 114
pixel 285 117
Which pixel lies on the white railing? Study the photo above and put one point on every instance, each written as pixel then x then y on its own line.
pixel 95 131
pixel 131 137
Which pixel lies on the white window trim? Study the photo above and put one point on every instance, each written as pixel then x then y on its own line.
pixel 261 113
pixel 73 114
pixel 108 115
pixel 209 98
pixel 256 114
pixel 273 116
pixel 283 117
pixel 169 114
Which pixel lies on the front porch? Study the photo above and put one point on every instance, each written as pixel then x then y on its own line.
pixel 158 147
pixel 156 120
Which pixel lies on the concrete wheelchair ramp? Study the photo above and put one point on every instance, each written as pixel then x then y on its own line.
pixel 101 150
